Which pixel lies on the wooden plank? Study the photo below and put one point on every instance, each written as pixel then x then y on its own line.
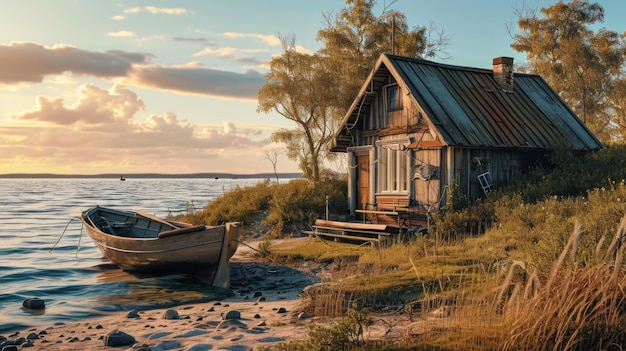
pixel 352 230
pixel 381 212
pixel 347 237
pixel 351 225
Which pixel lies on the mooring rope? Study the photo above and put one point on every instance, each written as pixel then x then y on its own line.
pixel 64 230
pixel 252 248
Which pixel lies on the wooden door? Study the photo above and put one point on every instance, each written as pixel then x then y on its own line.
pixel 363 181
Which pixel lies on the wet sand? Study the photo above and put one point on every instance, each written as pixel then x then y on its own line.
pixel 266 309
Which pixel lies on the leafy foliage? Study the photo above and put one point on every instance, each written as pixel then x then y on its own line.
pixel 283 207
pixel 300 202
pixel 315 90
pixel 355 38
pixel 299 87
pixel 242 204
pixel 581 64
pixel 347 333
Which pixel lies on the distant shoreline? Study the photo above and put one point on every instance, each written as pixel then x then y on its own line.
pixel 153 175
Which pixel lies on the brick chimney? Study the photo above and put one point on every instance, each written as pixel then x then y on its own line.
pixel 503 72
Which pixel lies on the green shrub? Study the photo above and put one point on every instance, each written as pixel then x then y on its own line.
pixel 242 204
pixel 297 204
pixel 347 333
pixel 569 184
pixel 283 207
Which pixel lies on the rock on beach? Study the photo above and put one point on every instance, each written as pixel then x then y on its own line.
pixel 34 303
pixel 118 338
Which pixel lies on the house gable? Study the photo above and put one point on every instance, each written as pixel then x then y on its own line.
pixel 466 107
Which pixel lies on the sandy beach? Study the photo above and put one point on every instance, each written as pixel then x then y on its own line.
pixel 266 309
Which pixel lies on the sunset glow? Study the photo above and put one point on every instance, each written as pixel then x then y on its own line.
pixel 90 87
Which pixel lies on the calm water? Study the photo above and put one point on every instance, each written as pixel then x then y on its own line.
pixel 73 279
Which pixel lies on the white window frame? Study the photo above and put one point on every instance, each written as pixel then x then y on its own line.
pixel 394 166
pixel 393 97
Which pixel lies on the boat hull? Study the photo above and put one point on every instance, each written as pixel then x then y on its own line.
pixel 139 242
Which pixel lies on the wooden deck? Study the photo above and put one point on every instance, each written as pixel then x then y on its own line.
pixel 363 233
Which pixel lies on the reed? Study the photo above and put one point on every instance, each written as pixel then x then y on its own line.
pixel 578 308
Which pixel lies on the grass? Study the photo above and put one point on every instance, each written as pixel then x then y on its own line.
pixel 549 276
pixel 537 265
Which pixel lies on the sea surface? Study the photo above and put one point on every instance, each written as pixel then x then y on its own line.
pixel 45 253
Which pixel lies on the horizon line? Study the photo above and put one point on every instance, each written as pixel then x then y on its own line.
pixel 155 175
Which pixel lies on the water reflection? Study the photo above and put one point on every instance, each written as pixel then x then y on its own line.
pixel 131 290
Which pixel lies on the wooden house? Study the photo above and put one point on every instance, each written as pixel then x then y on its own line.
pixel 417 128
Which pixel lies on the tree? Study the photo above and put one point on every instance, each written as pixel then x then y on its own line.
pixel 272 156
pixel 355 38
pixel 618 103
pixel 316 90
pixel 579 63
pixel 300 88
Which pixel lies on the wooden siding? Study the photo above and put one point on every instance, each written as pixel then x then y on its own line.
pixel 427 189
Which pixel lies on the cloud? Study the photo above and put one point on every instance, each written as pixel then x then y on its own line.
pixel 121 34
pixel 107 123
pixel 135 9
pixel 245 56
pixel 112 113
pixel 167 11
pixel 29 62
pixel 93 106
pixel 197 80
pixel 156 10
pixel 204 41
pixel 270 40
pixel 222 52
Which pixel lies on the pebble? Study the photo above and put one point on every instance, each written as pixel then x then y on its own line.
pixel 232 314
pixel 34 303
pixel 231 323
pixel 170 314
pixel 133 314
pixel 118 338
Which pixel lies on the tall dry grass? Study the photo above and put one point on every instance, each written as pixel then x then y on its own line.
pixel 488 292
pixel 577 305
pixel 576 308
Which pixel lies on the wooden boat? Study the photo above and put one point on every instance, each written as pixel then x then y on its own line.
pixel 141 242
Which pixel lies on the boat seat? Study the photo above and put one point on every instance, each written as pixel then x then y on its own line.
pixel 173 232
pixel 117 228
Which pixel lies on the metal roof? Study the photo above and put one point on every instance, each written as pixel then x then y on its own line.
pixel 466 107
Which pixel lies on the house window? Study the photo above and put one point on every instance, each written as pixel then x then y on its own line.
pixel 394 97
pixel 393 169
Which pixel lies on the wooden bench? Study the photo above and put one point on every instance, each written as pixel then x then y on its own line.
pixel 367 233
pixel 371 215
pixel 403 216
pixel 411 218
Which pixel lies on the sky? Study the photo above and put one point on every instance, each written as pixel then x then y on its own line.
pixel 155 86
